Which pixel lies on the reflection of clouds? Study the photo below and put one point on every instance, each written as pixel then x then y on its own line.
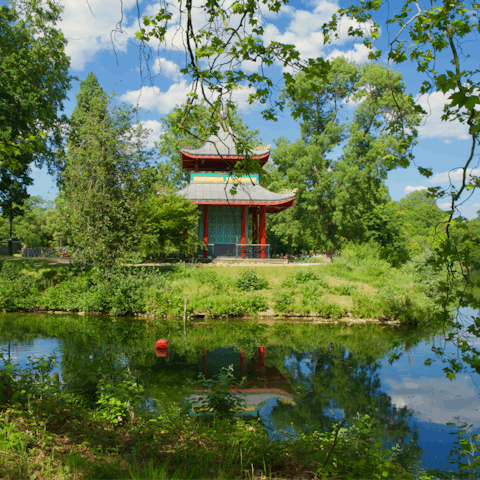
pixel 437 400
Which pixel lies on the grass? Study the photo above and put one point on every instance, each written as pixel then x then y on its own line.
pixel 369 289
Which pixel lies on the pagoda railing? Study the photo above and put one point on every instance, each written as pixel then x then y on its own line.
pixel 252 250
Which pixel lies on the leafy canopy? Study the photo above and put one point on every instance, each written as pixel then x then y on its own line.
pixel 105 178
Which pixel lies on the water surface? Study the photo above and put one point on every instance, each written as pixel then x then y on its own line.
pixel 298 376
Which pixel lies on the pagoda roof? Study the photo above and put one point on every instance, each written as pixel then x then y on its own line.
pixel 218 153
pixel 246 194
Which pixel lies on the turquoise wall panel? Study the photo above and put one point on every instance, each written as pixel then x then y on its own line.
pixel 224 225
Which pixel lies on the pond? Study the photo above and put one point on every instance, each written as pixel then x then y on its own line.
pixel 298 376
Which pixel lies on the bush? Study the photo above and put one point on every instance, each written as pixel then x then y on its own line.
pixel 345 288
pixel 17 292
pixel 305 276
pixel 329 309
pixel 247 281
pixel 227 306
pixel 284 301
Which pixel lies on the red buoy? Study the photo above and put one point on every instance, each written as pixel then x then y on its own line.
pixel 162 343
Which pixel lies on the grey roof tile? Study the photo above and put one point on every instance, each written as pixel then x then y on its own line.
pixel 221 192
pixel 221 144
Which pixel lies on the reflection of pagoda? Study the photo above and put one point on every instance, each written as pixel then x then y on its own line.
pixel 263 382
pixel 224 215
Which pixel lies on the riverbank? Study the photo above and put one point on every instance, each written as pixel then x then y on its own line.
pixel 344 290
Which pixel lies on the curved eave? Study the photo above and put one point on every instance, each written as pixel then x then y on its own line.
pixel 272 207
pixel 208 163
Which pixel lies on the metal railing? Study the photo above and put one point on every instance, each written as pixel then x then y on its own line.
pixel 252 250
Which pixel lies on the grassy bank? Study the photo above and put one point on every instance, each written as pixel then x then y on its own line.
pixel 344 289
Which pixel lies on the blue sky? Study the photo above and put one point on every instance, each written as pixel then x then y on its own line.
pixel 114 59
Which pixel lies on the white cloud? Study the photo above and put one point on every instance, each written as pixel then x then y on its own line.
pixel 358 54
pixel 409 189
pixel 167 68
pixel 454 176
pixel 88 27
pixel 444 205
pixel 433 126
pixel 152 98
pixel 305 32
pixel 155 128
pixel 437 400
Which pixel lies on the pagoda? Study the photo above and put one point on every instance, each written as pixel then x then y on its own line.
pixel 226 203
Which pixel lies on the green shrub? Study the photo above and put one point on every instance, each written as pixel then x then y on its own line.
pixel 227 306
pixel 366 306
pixel 345 288
pixel 329 309
pixel 66 295
pixel 17 293
pixel 161 299
pixel 307 275
pixel 284 301
pixel 248 281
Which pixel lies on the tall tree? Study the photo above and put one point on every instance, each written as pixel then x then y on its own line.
pixel 103 182
pixel 34 82
pixel 422 212
pixel 348 109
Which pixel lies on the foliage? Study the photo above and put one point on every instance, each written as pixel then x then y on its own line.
pixel 103 182
pixel 168 224
pixel 248 281
pixel 13 192
pixel 217 395
pixel 424 33
pixel 344 199
pixel 33 85
pixel 284 301
pixel 346 288
pixel 422 213
pixel 464 454
pixel 227 306
pixel 117 399
pixel 368 459
pixel 38 225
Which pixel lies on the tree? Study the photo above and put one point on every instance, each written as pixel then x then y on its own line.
pixel 337 199
pixel 193 134
pixel 422 212
pixel 13 193
pixel 431 36
pixel 169 223
pixel 34 81
pixel 103 182
pixel 38 226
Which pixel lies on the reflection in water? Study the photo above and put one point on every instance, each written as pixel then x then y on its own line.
pixel 298 377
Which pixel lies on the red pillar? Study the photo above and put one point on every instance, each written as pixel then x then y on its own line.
pixel 205 230
pixel 243 238
pixel 255 226
pixel 263 230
